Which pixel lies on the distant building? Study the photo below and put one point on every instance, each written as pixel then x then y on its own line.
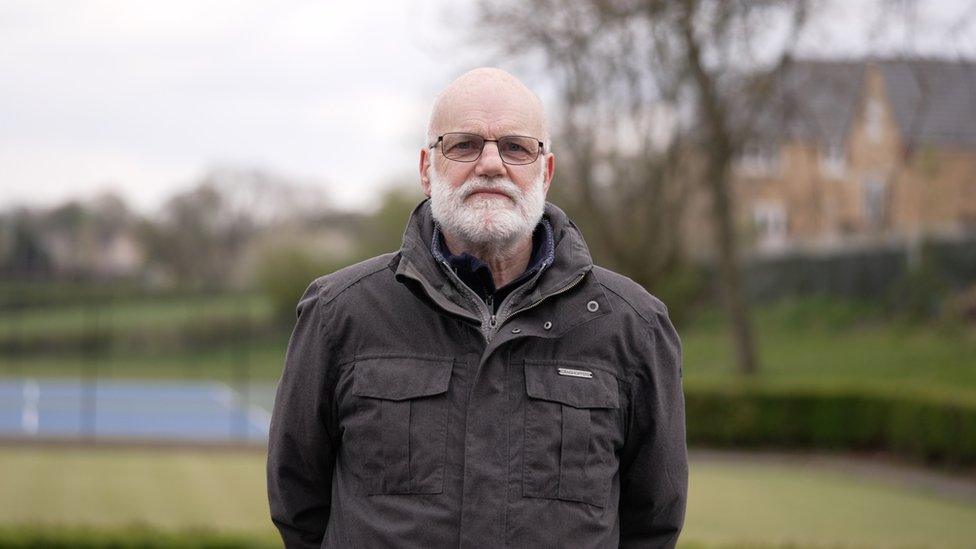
pixel 858 153
pixel 116 254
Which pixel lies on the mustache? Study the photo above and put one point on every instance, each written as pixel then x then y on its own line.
pixel 479 185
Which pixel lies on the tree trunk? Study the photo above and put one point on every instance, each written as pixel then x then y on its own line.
pixel 729 275
pixel 718 156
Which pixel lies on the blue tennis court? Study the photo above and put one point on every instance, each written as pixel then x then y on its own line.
pixel 207 411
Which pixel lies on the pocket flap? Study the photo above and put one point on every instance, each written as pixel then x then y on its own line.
pixel 401 378
pixel 575 385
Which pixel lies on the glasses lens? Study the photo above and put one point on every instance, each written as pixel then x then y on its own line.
pixel 518 150
pixel 463 147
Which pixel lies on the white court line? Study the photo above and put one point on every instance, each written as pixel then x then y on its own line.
pixel 260 418
pixel 256 415
pixel 29 420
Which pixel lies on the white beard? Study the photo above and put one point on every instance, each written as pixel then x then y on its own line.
pixel 490 224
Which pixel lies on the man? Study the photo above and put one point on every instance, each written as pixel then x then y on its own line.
pixel 487 385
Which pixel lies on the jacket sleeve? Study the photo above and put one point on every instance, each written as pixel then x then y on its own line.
pixel 301 442
pixel 654 463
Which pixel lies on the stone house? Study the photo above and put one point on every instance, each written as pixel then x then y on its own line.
pixel 857 153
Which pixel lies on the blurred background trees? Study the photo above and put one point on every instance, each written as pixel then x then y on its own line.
pixel 234 229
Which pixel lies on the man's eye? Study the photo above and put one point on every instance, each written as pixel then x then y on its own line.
pixel 515 147
pixel 463 146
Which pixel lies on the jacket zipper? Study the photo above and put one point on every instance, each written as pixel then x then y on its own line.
pixel 490 324
pixel 487 316
pixel 496 327
pixel 490 301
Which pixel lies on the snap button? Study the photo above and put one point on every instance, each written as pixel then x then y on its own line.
pixel 592 306
pixel 516 330
pixel 547 325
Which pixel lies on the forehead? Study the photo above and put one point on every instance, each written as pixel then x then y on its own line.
pixel 489 112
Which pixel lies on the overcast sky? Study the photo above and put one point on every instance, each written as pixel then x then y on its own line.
pixel 143 97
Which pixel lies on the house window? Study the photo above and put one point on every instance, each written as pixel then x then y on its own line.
pixel 874 202
pixel 759 159
pixel 873 119
pixel 769 221
pixel 833 159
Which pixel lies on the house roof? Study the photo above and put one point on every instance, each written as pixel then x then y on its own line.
pixel 933 101
pixel 815 100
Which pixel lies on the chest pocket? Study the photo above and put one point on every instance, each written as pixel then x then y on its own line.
pixel 400 424
pixel 570 418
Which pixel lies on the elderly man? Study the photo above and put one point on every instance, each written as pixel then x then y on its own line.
pixel 486 385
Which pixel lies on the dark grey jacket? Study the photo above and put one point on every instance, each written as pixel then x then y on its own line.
pixel 409 416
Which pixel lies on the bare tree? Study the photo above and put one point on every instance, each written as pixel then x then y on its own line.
pixel 202 233
pixel 620 164
pixel 618 66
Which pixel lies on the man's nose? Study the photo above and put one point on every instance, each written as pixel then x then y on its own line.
pixel 490 162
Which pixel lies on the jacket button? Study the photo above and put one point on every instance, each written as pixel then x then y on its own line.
pixel 547 325
pixel 592 306
pixel 516 330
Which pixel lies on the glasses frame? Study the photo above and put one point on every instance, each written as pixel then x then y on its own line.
pixel 538 153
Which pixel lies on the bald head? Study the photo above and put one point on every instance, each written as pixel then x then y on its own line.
pixel 491 103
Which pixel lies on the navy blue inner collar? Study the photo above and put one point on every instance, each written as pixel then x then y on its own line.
pixel 476 274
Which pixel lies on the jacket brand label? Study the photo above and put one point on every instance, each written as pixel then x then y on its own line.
pixel 575 373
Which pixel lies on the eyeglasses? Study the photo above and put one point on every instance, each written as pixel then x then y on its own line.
pixel 515 150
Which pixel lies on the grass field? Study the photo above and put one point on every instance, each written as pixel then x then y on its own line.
pixel 820 343
pixel 260 360
pixel 758 502
pixel 730 501
pixel 113 488
pixel 810 342
pixel 134 314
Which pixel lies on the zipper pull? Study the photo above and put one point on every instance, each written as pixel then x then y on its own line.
pixel 490 300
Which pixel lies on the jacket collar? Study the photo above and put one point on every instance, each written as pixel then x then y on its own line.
pixel 415 261
pixel 478 276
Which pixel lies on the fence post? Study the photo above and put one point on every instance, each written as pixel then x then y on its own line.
pixel 89 377
pixel 242 372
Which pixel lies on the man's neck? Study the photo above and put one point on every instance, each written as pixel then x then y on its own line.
pixel 506 264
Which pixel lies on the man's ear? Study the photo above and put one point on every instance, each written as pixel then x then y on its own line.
pixel 424 167
pixel 550 170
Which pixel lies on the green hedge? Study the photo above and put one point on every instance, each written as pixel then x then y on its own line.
pixel 190 335
pixel 914 426
pixel 43 294
pixel 50 537
pixel 35 537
